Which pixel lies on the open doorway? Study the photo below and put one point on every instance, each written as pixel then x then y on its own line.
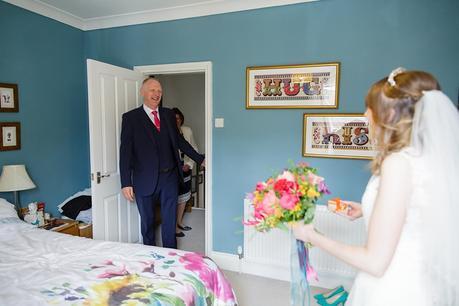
pixel 188 87
pixel 186 93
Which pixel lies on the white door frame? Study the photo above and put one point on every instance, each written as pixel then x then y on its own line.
pixel 182 68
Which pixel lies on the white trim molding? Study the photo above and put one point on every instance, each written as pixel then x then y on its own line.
pixel 198 9
pixel 50 12
pixel 206 68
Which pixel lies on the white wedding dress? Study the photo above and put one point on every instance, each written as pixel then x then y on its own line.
pixel 404 283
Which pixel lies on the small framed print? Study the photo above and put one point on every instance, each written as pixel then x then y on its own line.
pixel 293 86
pixel 10 136
pixel 9 98
pixel 337 136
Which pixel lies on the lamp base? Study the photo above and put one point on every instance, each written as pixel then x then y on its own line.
pixel 16 201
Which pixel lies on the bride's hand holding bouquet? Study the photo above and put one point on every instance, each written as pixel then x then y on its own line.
pixel 286 199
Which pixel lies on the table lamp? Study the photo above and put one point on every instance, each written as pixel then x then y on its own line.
pixel 15 178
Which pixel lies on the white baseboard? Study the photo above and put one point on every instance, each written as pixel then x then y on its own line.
pixel 231 262
pixel 226 261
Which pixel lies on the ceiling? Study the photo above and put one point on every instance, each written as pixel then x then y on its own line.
pixel 98 14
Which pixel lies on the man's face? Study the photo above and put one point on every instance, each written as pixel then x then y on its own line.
pixel 151 92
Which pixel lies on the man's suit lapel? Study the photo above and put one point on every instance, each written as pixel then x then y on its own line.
pixel 150 128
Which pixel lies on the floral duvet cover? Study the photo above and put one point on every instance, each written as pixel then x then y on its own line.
pixel 39 267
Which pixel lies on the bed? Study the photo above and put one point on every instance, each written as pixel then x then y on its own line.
pixel 40 267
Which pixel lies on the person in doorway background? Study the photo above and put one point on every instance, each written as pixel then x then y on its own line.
pixel 150 165
pixel 187 168
pixel 410 205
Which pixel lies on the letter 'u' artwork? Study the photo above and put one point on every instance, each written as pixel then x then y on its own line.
pixel 294 86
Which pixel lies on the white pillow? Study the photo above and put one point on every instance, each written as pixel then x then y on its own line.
pixel 7 210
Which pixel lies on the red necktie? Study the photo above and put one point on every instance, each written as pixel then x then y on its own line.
pixel 156 120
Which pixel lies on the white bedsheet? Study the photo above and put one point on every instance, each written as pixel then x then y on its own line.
pixel 40 267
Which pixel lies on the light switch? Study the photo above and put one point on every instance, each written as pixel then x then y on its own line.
pixel 219 122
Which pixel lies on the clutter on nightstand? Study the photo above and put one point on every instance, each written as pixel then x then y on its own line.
pixel 34 214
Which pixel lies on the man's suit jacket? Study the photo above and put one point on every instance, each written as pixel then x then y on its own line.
pixel 139 155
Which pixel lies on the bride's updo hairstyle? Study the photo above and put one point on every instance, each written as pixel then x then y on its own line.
pixel 392 101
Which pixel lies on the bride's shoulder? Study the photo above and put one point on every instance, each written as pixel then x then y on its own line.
pixel 400 161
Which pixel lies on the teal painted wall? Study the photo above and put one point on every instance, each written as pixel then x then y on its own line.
pixel 46 59
pixel 369 38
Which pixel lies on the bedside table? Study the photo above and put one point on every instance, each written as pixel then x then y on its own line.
pixel 64 226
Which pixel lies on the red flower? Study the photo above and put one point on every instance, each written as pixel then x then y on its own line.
pixel 283 185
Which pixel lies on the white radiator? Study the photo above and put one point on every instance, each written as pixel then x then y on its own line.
pixel 268 254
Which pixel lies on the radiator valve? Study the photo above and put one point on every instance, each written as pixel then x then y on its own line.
pixel 240 252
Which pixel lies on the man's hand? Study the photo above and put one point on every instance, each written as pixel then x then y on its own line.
pixel 128 193
pixel 185 168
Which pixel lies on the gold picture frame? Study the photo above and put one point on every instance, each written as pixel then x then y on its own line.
pixel 293 86
pixel 9 98
pixel 337 136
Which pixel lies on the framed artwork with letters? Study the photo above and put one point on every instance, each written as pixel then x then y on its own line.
pixel 337 136
pixel 293 86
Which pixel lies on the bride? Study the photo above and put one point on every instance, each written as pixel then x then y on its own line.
pixel 411 203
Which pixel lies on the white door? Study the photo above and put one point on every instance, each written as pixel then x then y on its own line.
pixel 112 91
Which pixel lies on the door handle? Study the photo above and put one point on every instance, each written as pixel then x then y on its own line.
pixel 98 176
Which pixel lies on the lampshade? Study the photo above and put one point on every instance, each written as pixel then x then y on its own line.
pixel 15 178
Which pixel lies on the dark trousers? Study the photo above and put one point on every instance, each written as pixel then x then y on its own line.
pixel 167 194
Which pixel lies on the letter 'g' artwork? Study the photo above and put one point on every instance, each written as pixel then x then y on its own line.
pixel 295 86
pixel 337 136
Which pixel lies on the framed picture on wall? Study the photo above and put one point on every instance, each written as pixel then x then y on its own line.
pixel 9 98
pixel 10 136
pixel 337 136
pixel 293 86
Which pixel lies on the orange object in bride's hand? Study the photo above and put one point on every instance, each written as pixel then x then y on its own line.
pixel 338 206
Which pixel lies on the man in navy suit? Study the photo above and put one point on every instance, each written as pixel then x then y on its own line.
pixel 150 162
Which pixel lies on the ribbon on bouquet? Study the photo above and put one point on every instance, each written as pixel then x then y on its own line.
pixel 301 273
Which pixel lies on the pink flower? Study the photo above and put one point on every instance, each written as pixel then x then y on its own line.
pixel 314 179
pixel 268 202
pixel 288 201
pixel 260 186
pixel 258 213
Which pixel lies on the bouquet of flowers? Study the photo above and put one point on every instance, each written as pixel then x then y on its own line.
pixel 288 197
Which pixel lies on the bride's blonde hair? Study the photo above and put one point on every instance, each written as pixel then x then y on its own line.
pixel 392 102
